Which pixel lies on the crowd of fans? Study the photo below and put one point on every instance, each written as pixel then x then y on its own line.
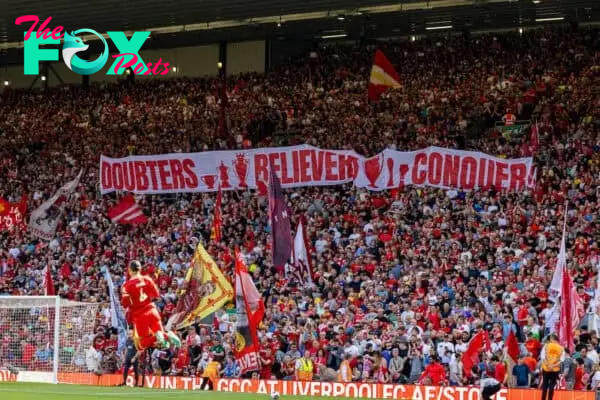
pixel 402 281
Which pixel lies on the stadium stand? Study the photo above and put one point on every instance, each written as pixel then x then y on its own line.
pixel 403 280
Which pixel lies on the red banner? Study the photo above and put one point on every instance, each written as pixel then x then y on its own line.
pixel 15 217
pixel 304 165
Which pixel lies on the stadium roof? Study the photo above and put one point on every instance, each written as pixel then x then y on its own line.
pixel 181 22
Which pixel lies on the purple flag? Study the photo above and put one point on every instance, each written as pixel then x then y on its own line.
pixel 281 227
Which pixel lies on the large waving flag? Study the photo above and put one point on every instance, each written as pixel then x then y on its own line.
pixel 206 291
pixel 48 282
pixel 44 220
pixel 561 263
pixel 571 312
pixel 512 346
pixel 250 310
pixel 383 76
pixel 470 357
pixel 281 227
pixel 299 269
pixel 117 316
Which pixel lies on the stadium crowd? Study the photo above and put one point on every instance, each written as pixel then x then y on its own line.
pixel 402 280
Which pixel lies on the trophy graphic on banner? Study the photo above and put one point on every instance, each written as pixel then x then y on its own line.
pixel 373 167
pixel 224 175
pixel 390 166
pixel 209 180
pixel 240 167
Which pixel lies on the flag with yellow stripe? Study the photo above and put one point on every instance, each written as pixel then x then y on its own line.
pixel 383 76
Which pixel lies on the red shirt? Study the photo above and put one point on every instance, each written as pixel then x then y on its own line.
pixel 533 346
pixel 139 292
pixel 500 372
pixel 28 353
pixel 267 355
pixel 183 359
pixel 436 373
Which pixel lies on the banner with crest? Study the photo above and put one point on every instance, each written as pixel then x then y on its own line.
pixel 304 165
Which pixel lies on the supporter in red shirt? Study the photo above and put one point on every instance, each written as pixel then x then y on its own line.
pixel 499 370
pixel 434 372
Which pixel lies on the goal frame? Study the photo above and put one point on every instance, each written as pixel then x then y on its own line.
pixel 55 327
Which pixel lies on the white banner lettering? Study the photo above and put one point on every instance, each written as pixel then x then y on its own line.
pixel 304 165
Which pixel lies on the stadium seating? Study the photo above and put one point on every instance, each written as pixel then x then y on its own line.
pixel 420 270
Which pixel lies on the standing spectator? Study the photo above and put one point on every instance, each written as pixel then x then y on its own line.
pixel 417 366
pixel 499 370
pixel 568 369
pixel 456 370
pixel 345 371
pixel 304 369
pixel 93 358
pixel 521 374
pixel 434 373
pixel 131 359
pixel 396 365
pixel 231 368
pixel 210 375
pixel 552 355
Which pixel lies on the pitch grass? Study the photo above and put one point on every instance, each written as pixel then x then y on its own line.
pixel 42 391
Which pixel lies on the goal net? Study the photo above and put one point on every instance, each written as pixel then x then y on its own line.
pixel 45 339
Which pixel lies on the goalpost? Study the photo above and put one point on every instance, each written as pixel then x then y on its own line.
pixel 45 339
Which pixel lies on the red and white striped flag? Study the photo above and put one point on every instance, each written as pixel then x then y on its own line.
pixel 127 211
pixel 383 76
pixel 571 312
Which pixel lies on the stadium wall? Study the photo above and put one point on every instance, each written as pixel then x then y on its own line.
pixel 191 61
pixel 243 57
pixel 294 388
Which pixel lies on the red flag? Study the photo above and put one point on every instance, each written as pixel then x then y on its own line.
pixel 250 310
pixel 218 221
pixel 127 211
pixel 512 346
pixel 48 283
pixel 471 356
pixel 571 311
pixel 383 76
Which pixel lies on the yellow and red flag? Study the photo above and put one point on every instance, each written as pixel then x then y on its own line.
pixel 206 291
pixel 383 76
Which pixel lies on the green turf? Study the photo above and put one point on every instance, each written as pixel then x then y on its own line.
pixel 41 391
